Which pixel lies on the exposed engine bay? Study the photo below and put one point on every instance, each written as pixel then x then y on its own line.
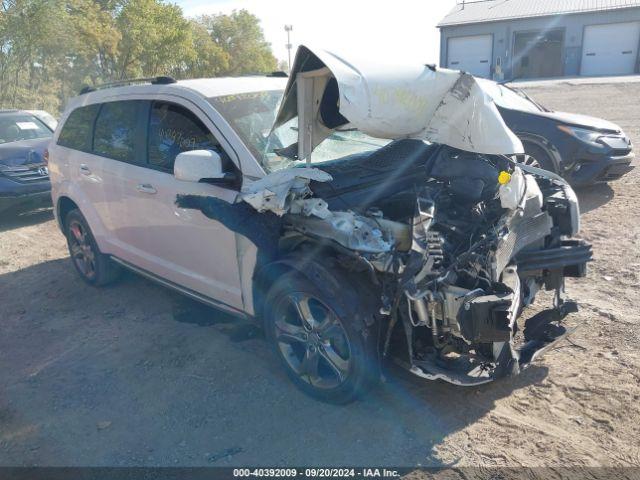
pixel 456 243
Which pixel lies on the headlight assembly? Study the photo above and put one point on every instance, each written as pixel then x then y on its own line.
pixel 584 134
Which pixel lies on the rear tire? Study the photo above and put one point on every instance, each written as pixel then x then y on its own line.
pixel 317 340
pixel 94 267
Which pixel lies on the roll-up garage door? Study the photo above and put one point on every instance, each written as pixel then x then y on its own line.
pixel 471 54
pixel 610 49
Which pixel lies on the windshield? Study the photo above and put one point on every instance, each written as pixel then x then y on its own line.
pixel 21 126
pixel 252 116
pixel 506 97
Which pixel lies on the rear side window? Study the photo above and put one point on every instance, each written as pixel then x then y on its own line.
pixel 172 130
pixel 116 130
pixel 77 130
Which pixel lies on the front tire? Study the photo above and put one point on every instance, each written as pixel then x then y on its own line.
pixel 94 267
pixel 317 341
pixel 536 156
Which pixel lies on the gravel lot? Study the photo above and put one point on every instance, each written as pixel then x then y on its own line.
pixel 134 374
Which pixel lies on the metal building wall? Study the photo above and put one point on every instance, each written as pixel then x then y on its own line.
pixel 503 35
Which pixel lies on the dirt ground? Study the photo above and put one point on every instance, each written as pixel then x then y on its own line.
pixel 134 374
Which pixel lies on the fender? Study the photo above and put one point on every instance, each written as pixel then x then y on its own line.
pixel 546 145
pixel 333 281
pixel 71 191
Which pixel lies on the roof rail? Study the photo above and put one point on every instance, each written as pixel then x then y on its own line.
pixel 163 80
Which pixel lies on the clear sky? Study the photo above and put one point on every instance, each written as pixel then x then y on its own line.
pixel 392 28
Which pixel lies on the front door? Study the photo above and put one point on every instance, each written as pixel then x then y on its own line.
pixel 179 245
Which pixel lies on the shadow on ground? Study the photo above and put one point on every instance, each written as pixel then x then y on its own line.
pixel 12 220
pixel 134 374
pixel 594 196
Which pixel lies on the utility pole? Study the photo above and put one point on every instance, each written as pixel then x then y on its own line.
pixel 288 28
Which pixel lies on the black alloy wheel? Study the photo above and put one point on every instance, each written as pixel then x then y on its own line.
pixel 81 251
pixel 312 340
pixel 323 340
pixel 94 267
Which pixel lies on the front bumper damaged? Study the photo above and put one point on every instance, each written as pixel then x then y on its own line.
pixel 528 254
pixel 471 372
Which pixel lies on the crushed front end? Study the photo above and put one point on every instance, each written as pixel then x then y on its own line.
pixel 451 234
pixel 483 245
pixel 456 254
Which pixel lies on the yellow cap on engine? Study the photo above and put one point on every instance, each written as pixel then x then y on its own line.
pixel 504 178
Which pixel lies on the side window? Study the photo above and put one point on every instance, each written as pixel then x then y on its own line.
pixel 77 132
pixel 116 130
pixel 172 130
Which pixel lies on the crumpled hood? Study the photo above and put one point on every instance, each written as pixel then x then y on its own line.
pixel 586 121
pixel 23 152
pixel 391 101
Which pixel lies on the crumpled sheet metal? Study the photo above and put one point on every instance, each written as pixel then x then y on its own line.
pixel 407 101
pixel 349 229
pixel 274 192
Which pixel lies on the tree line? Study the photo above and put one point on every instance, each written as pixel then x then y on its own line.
pixel 50 49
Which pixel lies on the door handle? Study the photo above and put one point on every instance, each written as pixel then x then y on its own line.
pixel 146 188
pixel 84 170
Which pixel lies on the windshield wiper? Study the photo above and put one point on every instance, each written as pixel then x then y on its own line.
pixel 512 79
pixel 541 107
pixel 524 94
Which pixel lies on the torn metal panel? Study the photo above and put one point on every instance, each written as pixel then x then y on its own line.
pixel 350 230
pixel 310 133
pixel 274 192
pixel 285 191
pixel 394 101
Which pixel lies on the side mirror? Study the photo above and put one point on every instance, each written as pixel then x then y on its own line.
pixel 197 165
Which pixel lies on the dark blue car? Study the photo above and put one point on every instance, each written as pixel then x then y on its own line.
pixel 24 177
pixel 584 150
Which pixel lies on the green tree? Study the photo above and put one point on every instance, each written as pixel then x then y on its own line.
pixel 50 48
pixel 156 38
pixel 210 59
pixel 95 38
pixel 241 37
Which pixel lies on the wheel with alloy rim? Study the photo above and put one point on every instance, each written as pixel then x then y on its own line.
pixel 81 251
pixel 312 340
pixel 317 343
pixel 536 156
pixel 94 267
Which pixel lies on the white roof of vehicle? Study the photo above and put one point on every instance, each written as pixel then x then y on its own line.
pixel 206 87
pixel 215 87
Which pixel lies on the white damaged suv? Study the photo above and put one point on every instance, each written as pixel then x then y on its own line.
pixel 363 215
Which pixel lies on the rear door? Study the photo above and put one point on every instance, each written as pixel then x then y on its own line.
pixel 80 167
pixel 118 143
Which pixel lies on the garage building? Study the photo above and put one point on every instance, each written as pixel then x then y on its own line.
pixel 507 39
